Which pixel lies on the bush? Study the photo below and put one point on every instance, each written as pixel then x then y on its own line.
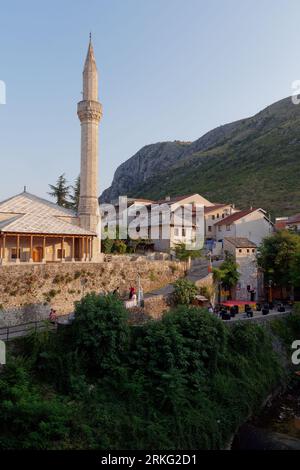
pixel 107 245
pixel 186 381
pixel 101 331
pixel 28 421
pixel 184 291
pixel 119 247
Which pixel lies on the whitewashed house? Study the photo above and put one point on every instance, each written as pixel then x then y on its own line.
pixel 165 222
pixel 253 224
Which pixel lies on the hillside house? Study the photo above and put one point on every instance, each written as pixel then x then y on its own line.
pixel 250 284
pixel 253 224
pixel 165 222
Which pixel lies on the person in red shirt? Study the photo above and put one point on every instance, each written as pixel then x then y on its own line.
pixel 131 292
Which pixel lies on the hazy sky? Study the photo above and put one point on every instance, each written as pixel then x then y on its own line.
pixel 169 69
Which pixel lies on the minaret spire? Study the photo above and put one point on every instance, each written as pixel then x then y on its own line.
pixel 90 112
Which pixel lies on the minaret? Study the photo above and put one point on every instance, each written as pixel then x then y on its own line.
pixel 89 112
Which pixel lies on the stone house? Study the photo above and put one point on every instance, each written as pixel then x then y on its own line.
pixel 250 283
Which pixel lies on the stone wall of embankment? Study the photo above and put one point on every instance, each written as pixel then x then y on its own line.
pixel 27 292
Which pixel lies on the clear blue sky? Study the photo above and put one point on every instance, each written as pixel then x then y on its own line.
pixel 169 69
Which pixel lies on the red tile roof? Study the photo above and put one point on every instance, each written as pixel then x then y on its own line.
pixel 294 219
pixel 234 217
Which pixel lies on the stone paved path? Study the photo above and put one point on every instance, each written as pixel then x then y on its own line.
pixel 198 271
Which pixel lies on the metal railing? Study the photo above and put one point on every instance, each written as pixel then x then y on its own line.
pixel 17 331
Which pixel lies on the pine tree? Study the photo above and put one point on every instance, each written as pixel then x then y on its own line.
pixel 61 192
pixel 74 196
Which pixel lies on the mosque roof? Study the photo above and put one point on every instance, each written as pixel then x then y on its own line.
pixel 27 213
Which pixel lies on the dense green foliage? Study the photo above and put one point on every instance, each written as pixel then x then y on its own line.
pixel 184 382
pixel 185 291
pixel 101 331
pixel 227 274
pixel 253 162
pixel 279 257
pixel 113 244
pixel 75 194
pixel 184 254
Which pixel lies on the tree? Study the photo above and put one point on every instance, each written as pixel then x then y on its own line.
pixel 119 247
pixel 101 331
pixel 107 245
pixel 183 254
pixel 184 291
pixel 295 271
pixel 61 191
pixel 75 195
pixel 278 258
pixel 227 274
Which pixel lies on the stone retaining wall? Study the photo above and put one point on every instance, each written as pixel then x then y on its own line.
pixel 27 292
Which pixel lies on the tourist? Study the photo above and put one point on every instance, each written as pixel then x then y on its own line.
pixel 52 315
pixel 131 292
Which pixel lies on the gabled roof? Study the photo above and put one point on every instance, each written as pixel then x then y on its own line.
pixel 237 216
pixel 26 203
pixel 32 214
pixel 177 199
pixel 294 219
pixel 173 199
pixel 215 207
pixel 240 242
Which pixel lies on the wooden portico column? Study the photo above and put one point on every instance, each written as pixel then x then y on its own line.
pixel 2 257
pixel 73 249
pixel 87 248
pixel 18 250
pixel 62 250
pixel 31 249
pixel 44 250
pixel 82 250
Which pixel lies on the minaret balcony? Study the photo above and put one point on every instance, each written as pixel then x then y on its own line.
pixel 89 110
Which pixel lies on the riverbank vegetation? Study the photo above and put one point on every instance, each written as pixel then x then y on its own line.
pixel 184 382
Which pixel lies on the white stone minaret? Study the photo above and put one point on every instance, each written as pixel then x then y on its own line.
pixel 90 112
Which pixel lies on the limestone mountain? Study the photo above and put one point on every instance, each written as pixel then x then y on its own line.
pixel 251 162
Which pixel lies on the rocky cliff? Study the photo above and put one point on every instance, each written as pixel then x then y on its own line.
pixel 254 161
